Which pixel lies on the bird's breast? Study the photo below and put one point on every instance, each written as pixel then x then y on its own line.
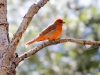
pixel 59 28
pixel 55 33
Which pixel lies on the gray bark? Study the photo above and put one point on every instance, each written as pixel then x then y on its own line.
pixel 7 56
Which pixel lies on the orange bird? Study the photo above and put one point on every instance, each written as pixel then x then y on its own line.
pixel 52 32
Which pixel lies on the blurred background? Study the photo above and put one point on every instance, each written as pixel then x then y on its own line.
pixel 82 19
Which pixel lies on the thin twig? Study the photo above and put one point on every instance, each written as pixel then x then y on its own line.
pixel 57 41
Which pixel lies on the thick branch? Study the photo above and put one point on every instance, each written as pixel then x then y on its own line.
pixel 24 24
pixel 47 43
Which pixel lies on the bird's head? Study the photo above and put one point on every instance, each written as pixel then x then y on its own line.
pixel 59 21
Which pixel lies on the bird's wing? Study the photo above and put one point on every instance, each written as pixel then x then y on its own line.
pixel 48 29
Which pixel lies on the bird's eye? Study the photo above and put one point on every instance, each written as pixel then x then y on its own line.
pixel 61 22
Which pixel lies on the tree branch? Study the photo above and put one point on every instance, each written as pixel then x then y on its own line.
pixel 24 24
pixel 57 41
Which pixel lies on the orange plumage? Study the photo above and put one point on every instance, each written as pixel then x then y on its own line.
pixel 52 32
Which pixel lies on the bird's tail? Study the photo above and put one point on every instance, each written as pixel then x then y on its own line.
pixel 30 42
pixel 39 38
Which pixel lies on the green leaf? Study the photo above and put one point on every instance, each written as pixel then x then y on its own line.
pixel 98 73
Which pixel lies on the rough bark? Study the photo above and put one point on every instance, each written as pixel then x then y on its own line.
pixel 4 39
pixel 7 49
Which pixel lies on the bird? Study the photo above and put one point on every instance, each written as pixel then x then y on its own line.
pixel 51 32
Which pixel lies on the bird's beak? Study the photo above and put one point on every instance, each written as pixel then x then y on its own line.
pixel 63 22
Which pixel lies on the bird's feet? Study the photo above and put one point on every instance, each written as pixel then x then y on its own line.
pixel 53 40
